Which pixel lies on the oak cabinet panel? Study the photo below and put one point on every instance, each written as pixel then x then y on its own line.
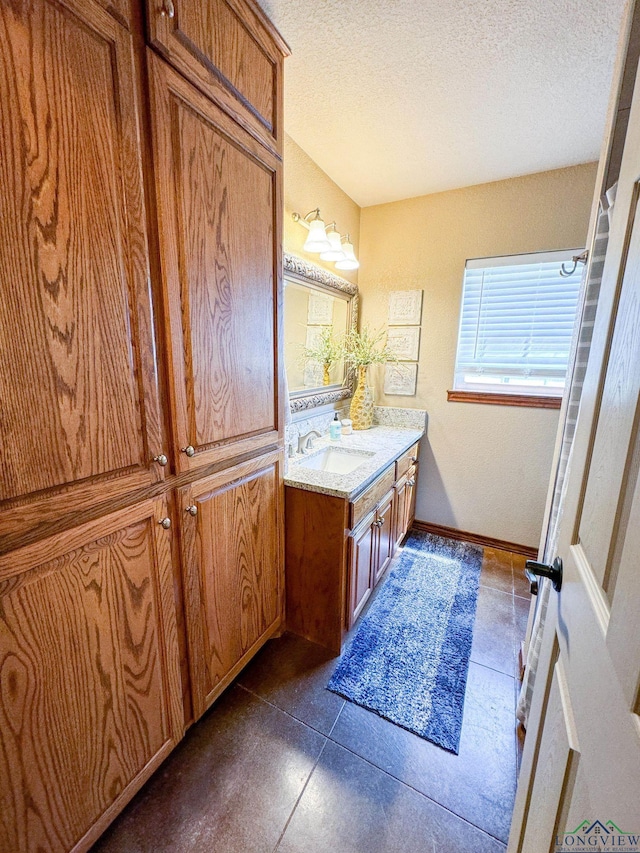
pixel 219 231
pixel 120 9
pixel 405 504
pixel 372 546
pixel 232 548
pixel 385 538
pixel 362 550
pixel 227 49
pixel 90 700
pixel 78 385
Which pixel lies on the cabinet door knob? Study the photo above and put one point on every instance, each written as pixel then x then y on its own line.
pixel 189 450
pixel 192 510
pixel 165 522
pixel 161 459
pixel 414 459
pixel 411 482
pixel 167 9
pixel 379 522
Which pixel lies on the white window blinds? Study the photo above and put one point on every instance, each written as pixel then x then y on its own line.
pixel 516 323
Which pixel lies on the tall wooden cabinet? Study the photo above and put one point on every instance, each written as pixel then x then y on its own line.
pixel 80 417
pixel 219 227
pixel 140 389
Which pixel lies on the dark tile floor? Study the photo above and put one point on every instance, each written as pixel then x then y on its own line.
pixel 280 763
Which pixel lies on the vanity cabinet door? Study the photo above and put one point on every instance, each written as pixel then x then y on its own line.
pixel 220 233
pixel 385 537
pixel 89 666
pixel 232 570
pixel 412 480
pixel 79 418
pixel 400 510
pixel 405 504
pixel 231 52
pixel 362 553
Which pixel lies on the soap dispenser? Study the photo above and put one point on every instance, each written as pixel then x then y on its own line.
pixel 335 428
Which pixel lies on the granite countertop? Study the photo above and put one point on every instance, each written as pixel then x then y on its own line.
pixel 386 443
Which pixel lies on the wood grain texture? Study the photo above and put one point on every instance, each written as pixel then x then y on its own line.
pixel 120 9
pixel 478 539
pixel 233 568
pixel 362 559
pixel 224 48
pixel 367 501
pixel 90 684
pixel 315 566
pixel 526 401
pixel 77 385
pixel 385 534
pixel 407 460
pixel 217 192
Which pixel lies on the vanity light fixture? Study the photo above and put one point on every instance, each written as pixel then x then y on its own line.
pixel 327 241
pixel 336 252
pixel 317 240
pixel 350 262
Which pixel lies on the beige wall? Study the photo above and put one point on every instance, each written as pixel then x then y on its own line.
pixel 484 469
pixel 306 187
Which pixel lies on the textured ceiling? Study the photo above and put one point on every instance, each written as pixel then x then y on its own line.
pixel 398 98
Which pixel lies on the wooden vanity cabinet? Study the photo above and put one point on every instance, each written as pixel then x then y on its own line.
pixel 231 51
pixel 91 695
pixel 337 551
pixel 231 534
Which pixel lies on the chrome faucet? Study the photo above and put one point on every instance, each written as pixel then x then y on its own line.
pixel 305 442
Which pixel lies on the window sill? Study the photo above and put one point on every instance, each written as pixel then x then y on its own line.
pixel 523 400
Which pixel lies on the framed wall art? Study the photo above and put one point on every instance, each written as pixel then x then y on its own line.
pixel 405 307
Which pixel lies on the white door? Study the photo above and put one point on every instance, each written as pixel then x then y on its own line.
pixel 579 786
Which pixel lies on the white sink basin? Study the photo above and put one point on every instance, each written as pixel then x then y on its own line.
pixel 335 461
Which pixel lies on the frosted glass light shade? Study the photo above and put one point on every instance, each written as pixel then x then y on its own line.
pixel 317 240
pixel 350 261
pixel 336 252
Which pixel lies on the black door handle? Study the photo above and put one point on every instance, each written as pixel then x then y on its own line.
pixel 544 570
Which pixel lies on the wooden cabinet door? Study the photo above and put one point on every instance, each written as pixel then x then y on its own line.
pixel 385 537
pixel 230 50
pixel 79 415
pixel 405 504
pixel 400 510
pixel 220 234
pixel 120 9
pixel 363 541
pixel 91 697
pixel 233 577
pixel 412 479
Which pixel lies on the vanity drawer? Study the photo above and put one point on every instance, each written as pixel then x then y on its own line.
pixel 368 500
pixel 407 460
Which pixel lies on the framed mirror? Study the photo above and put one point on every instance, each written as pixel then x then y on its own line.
pixel 319 307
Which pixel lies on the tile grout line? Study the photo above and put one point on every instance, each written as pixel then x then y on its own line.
pixel 416 791
pixel 304 788
pixel 366 760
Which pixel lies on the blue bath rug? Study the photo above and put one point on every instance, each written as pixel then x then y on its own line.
pixel 409 657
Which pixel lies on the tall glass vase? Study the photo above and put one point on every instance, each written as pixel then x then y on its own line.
pixel 361 411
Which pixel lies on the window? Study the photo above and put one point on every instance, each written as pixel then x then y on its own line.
pixel 516 325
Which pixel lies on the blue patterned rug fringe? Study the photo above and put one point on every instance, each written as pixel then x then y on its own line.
pixel 409 658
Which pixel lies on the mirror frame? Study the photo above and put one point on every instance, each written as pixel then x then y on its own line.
pixel 304 272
